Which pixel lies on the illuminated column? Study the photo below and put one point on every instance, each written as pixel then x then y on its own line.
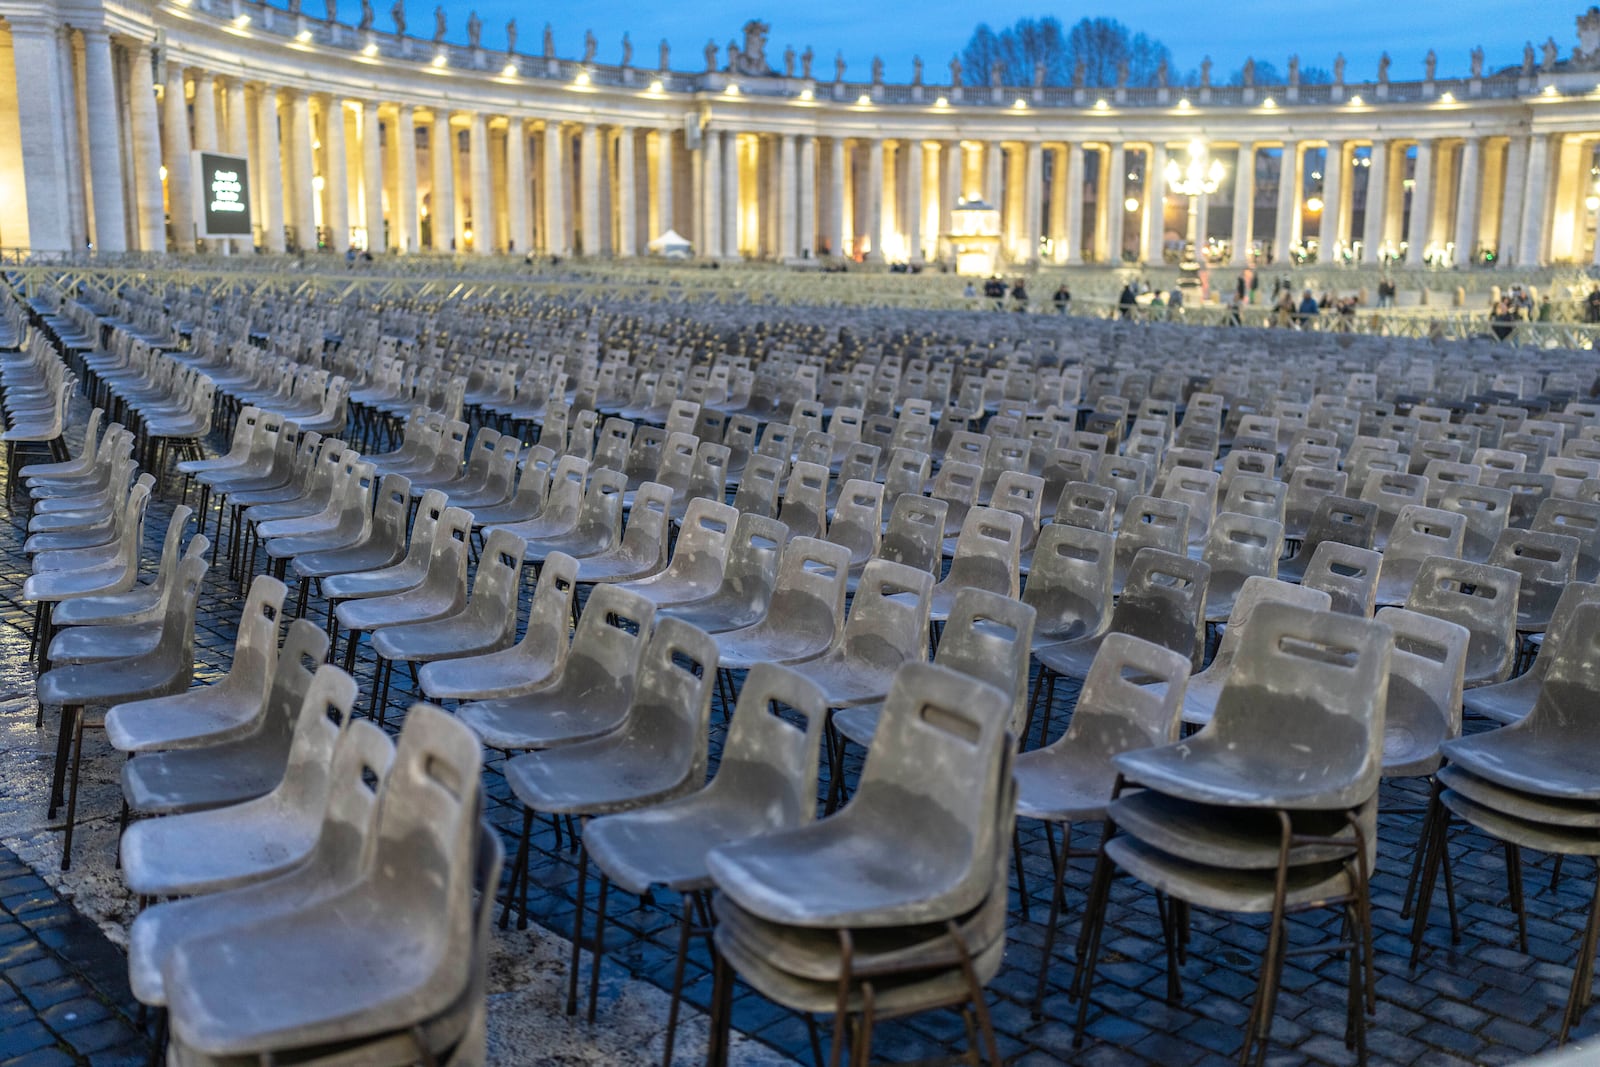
pixel 1154 228
pixel 875 199
pixel 270 169
pixel 372 178
pixel 1372 232
pixel 838 232
pixel 302 171
pixel 407 223
pixel 1516 174
pixel 1288 202
pixel 1072 207
pixel 1331 236
pixel 913 200
pixel 558 235
pixel 950 163
pixel 808 196
pixel 66 106
pixel 994 157
pixel 1116 192
pixel 627 198
pixel 788 221
pixel 205 112
pixel 665 192
pixel 1421 205
pixel 1058 204
pixel 482 202
pixel 146 132
pixel 335 176
pixel 589 209
pixel 43 119
pixel 517 185
pixel 175 150
pixel 732 198
pixel 711 194
pixel 237 142
pixel 105 154
pixel 1467 192
pixel 1033 199
pixel 1244 203
pixel 1530 249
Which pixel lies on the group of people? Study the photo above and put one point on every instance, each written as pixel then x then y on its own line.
pixel 1517 305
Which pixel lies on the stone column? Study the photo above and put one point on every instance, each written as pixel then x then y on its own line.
pixel 483 196
pixel 1372 230
pixel 1116 193
pixel 205 112
pixel 666 175
pixel 808 196
pixel 1288 202
pixel 1331 236
pixel 302 171
pixel 66 105
pixel 950 164
pixel 1073 205
pixel 1155 206
pixel 335 176
pixel 146 149
pixel 732 196
pixel 838 231
pixel 407 221
pixel 1516 175
pixel 589 207
pixel 1530 246
pixel 711 194
pixel 270 169
pixel 557 234
pixel 372 178
pixel 105 153
pixel 875 219
pixel 1244 203
pixel 43 123
pixel 1421 205
pixel 517 186
pixel 627 199
pixel 1033 199
pixel 788 199
pixel 994 159
pixel 175 150
pixel 913 199
pixel 237 142
pixel 1467 189
pixel 1058 203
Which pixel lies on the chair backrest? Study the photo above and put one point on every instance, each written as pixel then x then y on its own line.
pixel 1242 545
pixel 805 500
pixel 323 718
pixel 1420 532
pixel 1164 601
pixel 753 555
pixel 701 552
pixel 858 519
pixel 1574 596
pixel 989 637
pixel 1391 491
pixel 1307 488
pixel 1252 594
pixel 811 586
pixel 1129 477
pixel 550 611
pixel 1487 510
pixel 759 485
pixel 255 646
pixel 888 622
pixel 988 551
pixel 1069 585
pixel 1563 715
pixel 1083 504
pixel 610 637
pixel 1575 518
pixel 1348 574
pixel 1481 598
pixel 768 763
pixel 1151 522
pixel 1262 498
pixel 671 707
pixel 915 535
pixel 1198 489
pixel 1339 518
pixel 1546 562
pixel 1116 714
pixel 1426 671
pixel 1301 714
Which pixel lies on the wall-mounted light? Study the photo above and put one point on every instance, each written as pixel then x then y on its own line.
pixel 1131 204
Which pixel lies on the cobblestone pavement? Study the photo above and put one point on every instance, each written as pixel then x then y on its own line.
pixel 63 994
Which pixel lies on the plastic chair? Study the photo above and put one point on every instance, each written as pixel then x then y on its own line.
pixel 1071 780
pixel 915 533
pixel 1418 533
pixel 1092 507
pixel 857 522
pixel 1423 710
pixel 1487 511
pixel 1479 597
pixel 1349 575
pixel 1338 518
pixel 887 626
pixel 1198 489
pixel 986 557
pixel 642 549
pixel 143 602
pixel 1511 700
pixel 587 694
pixel 1070 585
pixel 1547 562
pixel 747 582
pixel 407 959
pixel 805 617
pixel 699 558
pixel 1575 518
pixel 382 543
pixel 804 509
pixel 1390 492
pixel 1307 487
pixel 221 848
pixel 1238 548
pixel 1149 522
pixel 767 782
pixel 563 502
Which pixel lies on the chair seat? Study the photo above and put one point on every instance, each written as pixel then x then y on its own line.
pixel 164 783
pixel 509 672
pixel 1504 702
pixel 1050 787
pixel 1543 764
pixel 422 604
pixel 596 777
pixel 1230 838
pixel 1512 802
pixel 858 723
pixel 97 644
pixel 1070 659
pixel 216 850
pixel 546 718
pixel 667 844
pixel 450 637
pixel 194 718
pixel 1539 836
pixel 1223 888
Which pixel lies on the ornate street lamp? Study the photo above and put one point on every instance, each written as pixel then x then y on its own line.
pixel 1201 176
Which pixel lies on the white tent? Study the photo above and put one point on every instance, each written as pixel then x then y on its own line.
pixel 672 244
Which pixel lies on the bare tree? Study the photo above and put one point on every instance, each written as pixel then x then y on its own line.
pixel 1100 44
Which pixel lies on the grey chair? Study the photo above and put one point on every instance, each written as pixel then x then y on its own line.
pixel 1238 548
pixel 1148 522
pixel 1481 598
pixel 1418 533
pixel 1337 518
pixel 1486 509
pixel 1511 700
pixel 748 580
pixel 805 617
pixel 1575 518
pixel 1346 573
pixel 1547 562
pixel 767 782
pixel 987 557
pixel 1426 671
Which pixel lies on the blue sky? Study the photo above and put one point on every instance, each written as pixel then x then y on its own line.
pixel 936 29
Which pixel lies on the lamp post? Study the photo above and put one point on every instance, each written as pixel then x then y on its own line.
pixel 1200 176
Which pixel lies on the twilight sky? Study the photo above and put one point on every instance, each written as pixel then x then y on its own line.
pixel 936 29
